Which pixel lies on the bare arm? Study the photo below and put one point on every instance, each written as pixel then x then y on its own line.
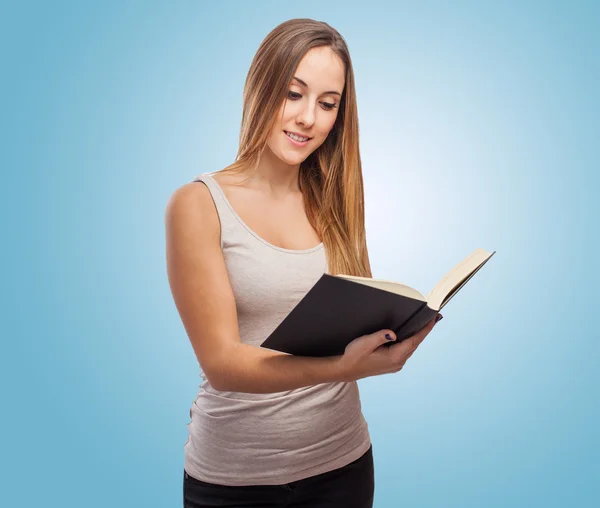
pixel 258 370
pixel 200 285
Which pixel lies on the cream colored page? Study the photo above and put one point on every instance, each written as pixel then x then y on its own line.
pixel 386 285
pixel 455 277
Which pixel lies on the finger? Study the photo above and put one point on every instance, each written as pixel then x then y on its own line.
pixel 427 328
pixel 423 332
pixel 404 349
pixel 408 346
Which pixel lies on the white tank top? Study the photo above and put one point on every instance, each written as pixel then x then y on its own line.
pixel 237 438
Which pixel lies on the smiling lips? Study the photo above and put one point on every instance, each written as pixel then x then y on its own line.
pixel 296 139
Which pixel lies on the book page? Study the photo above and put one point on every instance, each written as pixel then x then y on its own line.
pixel 456 278
pixel 386 285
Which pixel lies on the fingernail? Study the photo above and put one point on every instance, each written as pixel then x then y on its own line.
pixel 388 336
pixel 439 318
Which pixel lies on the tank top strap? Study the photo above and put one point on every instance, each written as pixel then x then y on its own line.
pixel 226 216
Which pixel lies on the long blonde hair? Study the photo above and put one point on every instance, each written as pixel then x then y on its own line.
pixel 330 178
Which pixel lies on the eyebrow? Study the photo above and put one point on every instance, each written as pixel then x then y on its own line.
pixel 304 84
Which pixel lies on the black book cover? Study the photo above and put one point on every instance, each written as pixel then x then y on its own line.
pixel 336 311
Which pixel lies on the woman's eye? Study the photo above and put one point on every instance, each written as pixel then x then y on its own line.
pixel 294 96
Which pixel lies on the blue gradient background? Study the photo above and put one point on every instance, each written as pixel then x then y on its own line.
pixel 479 128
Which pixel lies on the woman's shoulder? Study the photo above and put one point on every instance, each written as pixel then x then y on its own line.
pixel 229 181
pixel 191 205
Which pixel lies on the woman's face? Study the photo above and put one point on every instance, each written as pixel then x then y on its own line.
pixel 311 106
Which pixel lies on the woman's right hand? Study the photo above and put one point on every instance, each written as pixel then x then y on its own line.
pixel 363 357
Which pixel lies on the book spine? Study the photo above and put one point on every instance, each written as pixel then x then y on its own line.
pixel 403 328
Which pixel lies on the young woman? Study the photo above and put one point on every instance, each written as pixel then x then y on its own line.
pixel 244 245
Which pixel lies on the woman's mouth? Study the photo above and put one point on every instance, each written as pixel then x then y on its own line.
pixel 296 140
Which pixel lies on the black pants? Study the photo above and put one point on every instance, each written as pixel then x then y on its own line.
pixel 351 486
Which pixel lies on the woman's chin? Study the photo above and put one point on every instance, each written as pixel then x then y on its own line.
pixel 292 159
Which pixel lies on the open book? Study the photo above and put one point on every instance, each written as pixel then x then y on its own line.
pixel 341 308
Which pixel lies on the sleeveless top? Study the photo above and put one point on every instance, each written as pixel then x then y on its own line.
pixel 237 438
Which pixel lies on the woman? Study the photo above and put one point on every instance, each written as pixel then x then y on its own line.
pixel 244 245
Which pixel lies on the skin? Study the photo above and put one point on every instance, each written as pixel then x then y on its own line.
pixel 198 272
pixel 306 112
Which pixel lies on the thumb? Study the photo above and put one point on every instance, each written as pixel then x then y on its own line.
pixel 382 337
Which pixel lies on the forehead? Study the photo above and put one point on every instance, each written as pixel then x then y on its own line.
pixel 321 69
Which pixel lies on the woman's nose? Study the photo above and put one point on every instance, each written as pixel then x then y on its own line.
pixel 306 116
